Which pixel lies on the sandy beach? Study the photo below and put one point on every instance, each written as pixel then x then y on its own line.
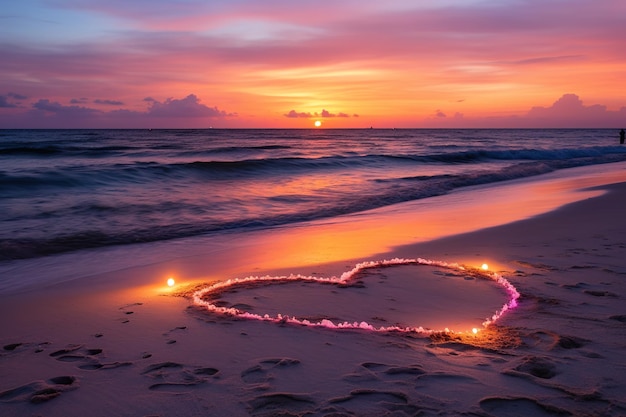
pixel 99 333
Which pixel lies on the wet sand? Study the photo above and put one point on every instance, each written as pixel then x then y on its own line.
pixel 113 339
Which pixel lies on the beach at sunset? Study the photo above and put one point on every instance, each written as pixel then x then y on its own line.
pixel 312 209
pixel 114 339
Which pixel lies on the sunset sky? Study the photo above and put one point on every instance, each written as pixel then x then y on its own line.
pixel 289 63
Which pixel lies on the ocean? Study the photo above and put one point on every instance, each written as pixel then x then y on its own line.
pixel 67 190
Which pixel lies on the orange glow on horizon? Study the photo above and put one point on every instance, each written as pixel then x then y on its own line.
pixel 384 64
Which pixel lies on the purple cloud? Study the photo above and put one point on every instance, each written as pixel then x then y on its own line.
pixel 7 103
pixel 45 113
pixel 4 103
pixel 294 114
pixel 108 102
pixel 325 113
pixel 189 106
pixel 570 111
pixel 54 107
pixel 568 106
pixel 17 96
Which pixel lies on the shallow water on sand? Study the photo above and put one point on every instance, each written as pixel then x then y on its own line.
pixel 298 248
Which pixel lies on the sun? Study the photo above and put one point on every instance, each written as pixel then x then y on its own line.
pixel 318 123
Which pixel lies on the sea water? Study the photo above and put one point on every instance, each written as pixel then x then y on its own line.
pixel 67 190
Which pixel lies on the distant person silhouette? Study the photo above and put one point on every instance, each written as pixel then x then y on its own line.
pixel 621 136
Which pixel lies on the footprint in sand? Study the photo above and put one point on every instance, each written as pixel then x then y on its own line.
pixel 174 330
pixel 86 358
pixel 40 391
pixel 259 375
pixel 281 404
pixel 13 348
pixel 537 266
pixel 540 367
pixel 513 407
pixel 597 293
pixel 374 371
pixel 375 392
pixel 128 310
pixel 373 402
pixel 175 377
pixel 550 341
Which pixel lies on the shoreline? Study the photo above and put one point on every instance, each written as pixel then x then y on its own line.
pixel 102 348
pixel 328 244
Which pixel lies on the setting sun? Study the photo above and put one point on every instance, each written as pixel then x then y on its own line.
pixel 318 123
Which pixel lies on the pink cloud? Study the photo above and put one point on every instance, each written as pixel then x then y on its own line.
pixel 49 107
pixel 108 102
pixel 495 32
pixel 185 112
pixel 11 100
pixel 568 111
pixel 324 114
pixel 294 115
pixel 568 106
pixel 189 106
pixel 6 103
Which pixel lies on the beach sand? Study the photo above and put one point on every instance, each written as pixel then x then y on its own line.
pixel 100 334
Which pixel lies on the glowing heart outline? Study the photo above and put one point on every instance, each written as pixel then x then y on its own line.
pixel 345 278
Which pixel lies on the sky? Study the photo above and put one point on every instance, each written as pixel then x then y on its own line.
pixel 289 63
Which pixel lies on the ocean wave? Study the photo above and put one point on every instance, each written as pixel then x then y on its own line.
pixel 388 192
pixel 31 150
pixel 281 166
pixel 237 149
pixel 63 151
pixel 482 155
pixel 539 161
pixel 65 191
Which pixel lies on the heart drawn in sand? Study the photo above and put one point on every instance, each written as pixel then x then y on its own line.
pixel 201 296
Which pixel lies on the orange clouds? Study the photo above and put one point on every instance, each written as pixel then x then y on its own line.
pixel 393 63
